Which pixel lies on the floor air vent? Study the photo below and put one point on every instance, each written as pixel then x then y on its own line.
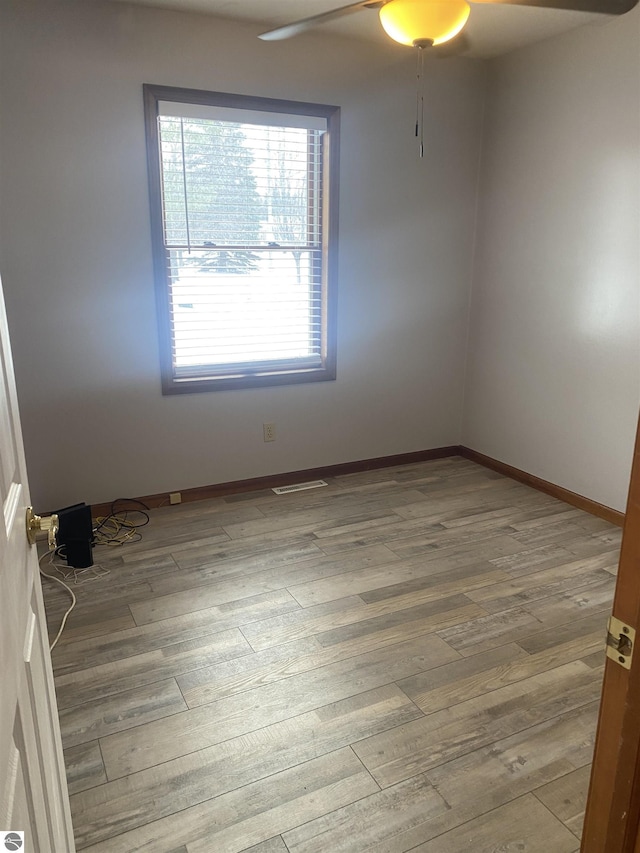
pixel 299 487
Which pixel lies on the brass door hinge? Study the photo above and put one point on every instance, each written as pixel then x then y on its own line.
pixel 620 641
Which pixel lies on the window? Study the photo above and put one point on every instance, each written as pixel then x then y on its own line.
pixel 244 226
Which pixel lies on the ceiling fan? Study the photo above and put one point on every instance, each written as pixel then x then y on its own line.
pixel 426 23
pixel 429 23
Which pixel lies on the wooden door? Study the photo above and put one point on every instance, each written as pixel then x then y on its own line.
pixel 33 790
pixel 613 806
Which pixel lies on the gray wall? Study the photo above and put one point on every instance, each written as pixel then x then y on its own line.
pixel 76 262
pixel 553 371
pixel 553 380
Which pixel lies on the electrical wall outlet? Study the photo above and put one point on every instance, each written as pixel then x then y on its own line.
pixel 175 497
pixel 269 432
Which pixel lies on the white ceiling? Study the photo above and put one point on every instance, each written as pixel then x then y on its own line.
pixel 492 29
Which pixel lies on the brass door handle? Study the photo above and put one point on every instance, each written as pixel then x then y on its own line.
pixel 38 524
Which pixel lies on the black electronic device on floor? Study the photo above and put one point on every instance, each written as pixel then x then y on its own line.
pixel 75 535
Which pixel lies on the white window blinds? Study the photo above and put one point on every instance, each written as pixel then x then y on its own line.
pixel 242 218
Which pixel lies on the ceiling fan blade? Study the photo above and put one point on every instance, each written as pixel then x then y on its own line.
pixel 289 30
pixel 604 7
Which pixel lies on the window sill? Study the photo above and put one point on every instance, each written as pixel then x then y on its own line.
pixel 200 384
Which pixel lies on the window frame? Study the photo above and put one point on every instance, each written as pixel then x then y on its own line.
pixel 287 375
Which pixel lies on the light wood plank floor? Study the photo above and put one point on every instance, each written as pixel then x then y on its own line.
pixel 409 659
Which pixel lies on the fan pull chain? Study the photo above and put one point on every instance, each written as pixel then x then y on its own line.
pixel 420 99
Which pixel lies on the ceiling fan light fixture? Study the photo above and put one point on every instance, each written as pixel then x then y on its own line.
pixel 421 22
